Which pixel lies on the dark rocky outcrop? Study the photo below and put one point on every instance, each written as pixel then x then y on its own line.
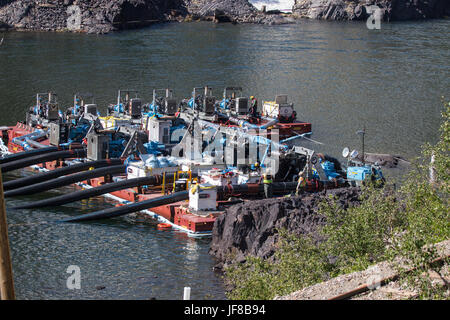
pixel 391 10
pixel 102 16
pixel 97 16
pixel 251 227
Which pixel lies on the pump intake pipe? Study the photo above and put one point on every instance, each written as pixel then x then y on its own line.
pixel 34 152
pixel 66 180
pixel 45 176
pixel 93 192
pixel 19 164
pixel 35 143
pixel 23 140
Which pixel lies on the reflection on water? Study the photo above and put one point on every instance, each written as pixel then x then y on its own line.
pixel 341 77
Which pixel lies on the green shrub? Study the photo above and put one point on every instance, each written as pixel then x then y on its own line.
pixel 386 224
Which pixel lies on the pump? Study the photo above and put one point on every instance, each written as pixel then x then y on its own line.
pixel 203 102
pixel 44 111
pixel 81 107
pixel 126 105
pixel 165 104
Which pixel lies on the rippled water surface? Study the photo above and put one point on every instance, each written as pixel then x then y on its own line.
pixel 341 76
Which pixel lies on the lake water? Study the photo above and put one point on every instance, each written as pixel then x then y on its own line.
pixel 341 76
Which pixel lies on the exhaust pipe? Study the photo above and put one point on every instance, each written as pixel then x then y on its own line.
pixel 65 181
pixel 19 164
pixel 75 168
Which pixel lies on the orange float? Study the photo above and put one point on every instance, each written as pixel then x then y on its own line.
pixel 164 226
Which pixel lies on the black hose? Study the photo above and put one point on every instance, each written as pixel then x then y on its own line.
pixel 26 154
pixel 134 207
pixel 19 164
pixel 93 192
pixel 160 201
pixel 27 181
pixel 34 152
pixel 65 181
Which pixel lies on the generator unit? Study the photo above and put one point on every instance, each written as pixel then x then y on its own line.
pixel 202 197
pixel 279 109
pixel 202 101
pixel 159 130
pixel 59 133
pixel 90 109
pixel 170 107
pixel 209 105
pixel 135 108
pixel 240 107
pixel 51 112
pixel 163 102
pixel 97 146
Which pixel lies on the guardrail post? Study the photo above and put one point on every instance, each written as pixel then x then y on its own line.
pixel 187 293
pixel 6 275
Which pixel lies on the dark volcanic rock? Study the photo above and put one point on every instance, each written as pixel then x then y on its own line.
pixel 97 16
pixel 102 16
pixel 391 10
pixel 251 227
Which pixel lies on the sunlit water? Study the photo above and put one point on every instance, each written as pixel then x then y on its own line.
pixel 341 76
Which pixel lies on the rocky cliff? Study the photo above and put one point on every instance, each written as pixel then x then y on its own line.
pixel 251 227
pixel 390 10
pixel 97 16
pixel 103 16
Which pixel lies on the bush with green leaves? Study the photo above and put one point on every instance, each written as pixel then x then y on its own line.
pixel 386 224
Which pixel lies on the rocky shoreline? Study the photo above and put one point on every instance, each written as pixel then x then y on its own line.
pixel 389 10
pixel 102 16
pixel 251 228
